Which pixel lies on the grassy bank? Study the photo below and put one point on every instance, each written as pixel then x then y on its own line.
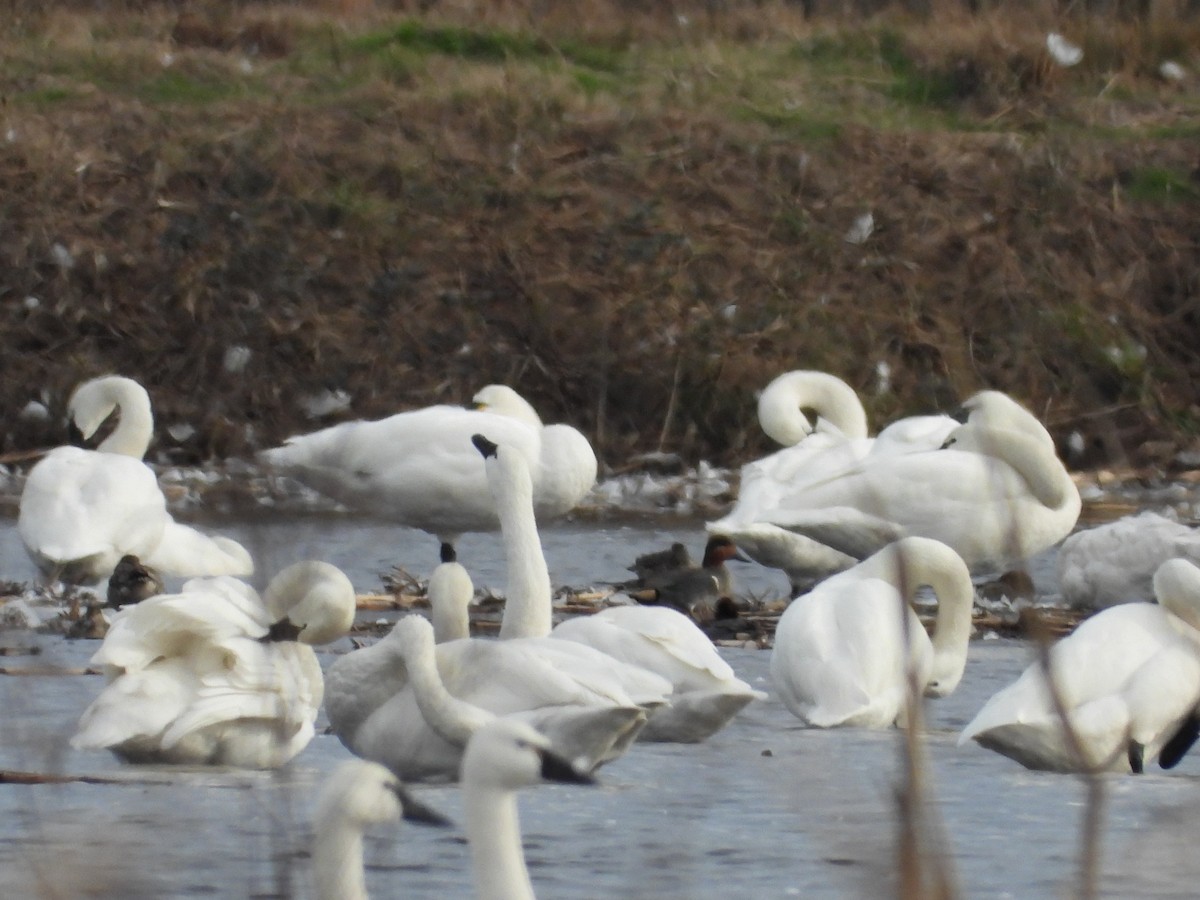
pixel 638 219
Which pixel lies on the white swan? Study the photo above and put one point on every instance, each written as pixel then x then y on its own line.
pixel 216 675
pixel 418 468
pixel 412 705
pixel 813 451
pixel 1129 681
pixel 997 493
pixel 450 593
pixel 82 510
pixel 842 652
pixel 1115 562
pixel 706 693
pixel 502 758
pixel 357 795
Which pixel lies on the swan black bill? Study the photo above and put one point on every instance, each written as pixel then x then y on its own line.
pixel 555 768
pixel 483 445
pixel 1137 757
pixel 416 811
pixel 1175 749
pixel 283 630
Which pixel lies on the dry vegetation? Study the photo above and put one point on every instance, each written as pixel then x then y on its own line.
pixel 634 212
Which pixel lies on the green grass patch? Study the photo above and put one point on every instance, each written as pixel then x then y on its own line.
pixel 43 98
pixel 175 86
pixel 489 46
pixel 1161 185
pixel 797 123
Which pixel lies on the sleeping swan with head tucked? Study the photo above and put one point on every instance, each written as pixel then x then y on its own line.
pixel 216 675
pixel 82 510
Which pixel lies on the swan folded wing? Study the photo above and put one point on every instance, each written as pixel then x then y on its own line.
pixel 172 625
pixel 186 552
pixel 78 504
pixel 673 634
pixel 276 683
pixel 844 529
pixel 510 676
pixel 1099 660
pixel 138 706
pixel 418 466
pixel 804 560
pixel 610 677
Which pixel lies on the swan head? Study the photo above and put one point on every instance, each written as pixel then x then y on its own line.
pixel 504 401
pixel 831 404
pixel 506 469
pixel 315 598
pixel 998 411
pixel 411 636
pixel 507 755
pixel 95 400
pixel 363 793
pixel 1177 589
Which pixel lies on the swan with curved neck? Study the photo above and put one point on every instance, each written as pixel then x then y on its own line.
pixel 706 693
pixel 417 468
pixel 358 795
pixel 81 510
pixel 502 758
pixel 836 408
pixel 94 401
pixel 996 493
pixel 1129 682
pixel 843 651
pixel 217 675
pixel 836 442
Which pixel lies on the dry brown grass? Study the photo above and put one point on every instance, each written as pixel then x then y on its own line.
pixel 663 219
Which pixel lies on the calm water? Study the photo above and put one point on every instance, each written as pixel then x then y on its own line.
pixel 763 809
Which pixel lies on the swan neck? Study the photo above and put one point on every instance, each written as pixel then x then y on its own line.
pixel 925 562
pixel 1035 462
pixel 454 720
pixel 450 592
pixel 494 833
pixel 781 403
pixel 131 436
pixel 527 609
pixel 338 862
pixel 449 623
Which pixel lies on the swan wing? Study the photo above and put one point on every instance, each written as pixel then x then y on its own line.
pixel 171 625
pixel 517 674
pixel 659 639
pixel 276 683
pixel 839 653
pixel 137 706
pixel 1095 662
pixel 187 552
pixel 80 503
pixel 417 467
